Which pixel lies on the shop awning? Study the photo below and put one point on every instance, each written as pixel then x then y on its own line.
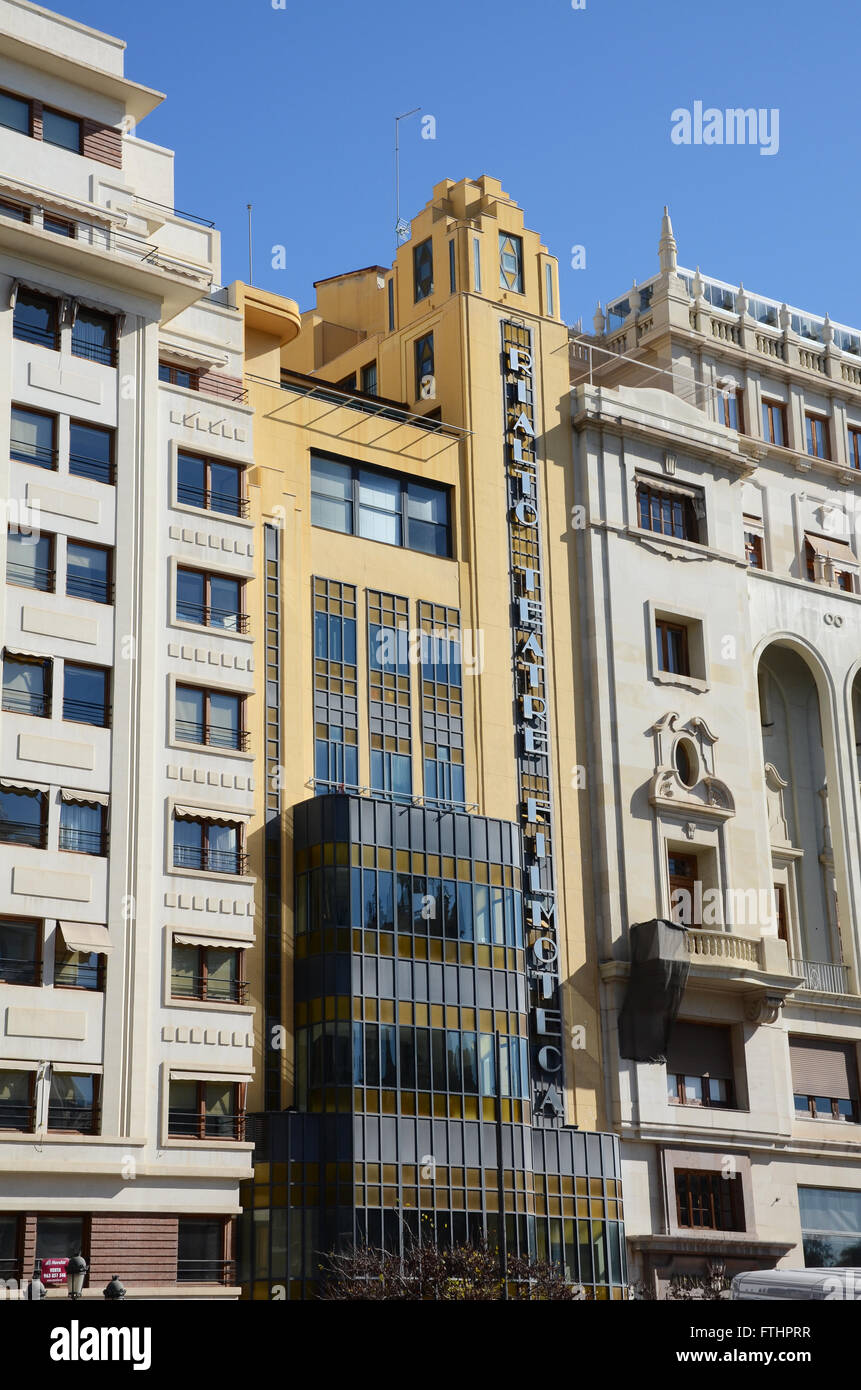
pixel 86 936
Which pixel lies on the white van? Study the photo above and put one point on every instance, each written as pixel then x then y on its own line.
pixel 798 1284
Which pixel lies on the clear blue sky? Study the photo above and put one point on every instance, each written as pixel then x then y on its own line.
pixel 293 110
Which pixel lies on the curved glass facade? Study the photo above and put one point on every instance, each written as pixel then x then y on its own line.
pixel 412 1061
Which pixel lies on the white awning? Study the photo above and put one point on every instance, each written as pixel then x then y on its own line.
pixel 231 943
pixel 86 936
pixel 86 798
pixel 25 656
pixel 10 784
pixel 210 813
pixel 833 549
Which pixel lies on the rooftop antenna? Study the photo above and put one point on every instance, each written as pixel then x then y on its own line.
pixel 250 260
pixel 402 229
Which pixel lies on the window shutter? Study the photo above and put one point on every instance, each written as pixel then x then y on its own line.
pixel 102 142
pixel 700 1049
pixel 823 1069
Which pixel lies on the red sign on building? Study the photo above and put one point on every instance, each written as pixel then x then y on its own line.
pixel 54 1272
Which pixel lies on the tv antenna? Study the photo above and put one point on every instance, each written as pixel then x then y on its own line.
pixel 402 228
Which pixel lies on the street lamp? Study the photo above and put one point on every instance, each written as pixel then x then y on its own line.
pixel 114 1289
pixel 35 1288
pixel 76 1270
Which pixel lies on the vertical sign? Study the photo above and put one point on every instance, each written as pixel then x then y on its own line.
pixel 533 722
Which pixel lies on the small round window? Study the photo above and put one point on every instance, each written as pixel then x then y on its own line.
pixel 687 762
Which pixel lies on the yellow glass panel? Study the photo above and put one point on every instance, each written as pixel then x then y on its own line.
pixel 451 1016
pixel 402 861
pixel 447 866
pixel 420 948
pixel 424 1103
pixel 433 866
pixel 596 1209
pixel 422 1015
pixel 435 949
pixel 467 953
pixel 387 943
pixel 372 1102
pixel 390 1102
pixel 387 1010
pixel 483 953
pixel 371 1010
pixel 439 1107
pixel 405 947
pixel 451 952
pixel 408 1103
pixel 329 1006
pixel 485 1020
pixel 596 1187
pixel 316 1011
pixel 463 870
pixel 470 1108
pixel 418 863
pixel 454 1107
pixel 368 856
pixel 329 854
pixel 481 873
pixel 437 1016
pixel 355 851
pixel 496 874
pixel 384 858
pixel 374 1197
pixel 405 1011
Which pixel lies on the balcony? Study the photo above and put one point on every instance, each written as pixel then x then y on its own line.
pixel 30 577
pixel 202 987
pixel 190 1124
pixel 19 832
pixel 32 702
pixel 822 976
pixel 78 841
pixel 87 712
pixel 206 1272
pixel 15 1116
pixel 100 470
pixel 212 735
pixel 112 255
pixel 20 971
pixel 209 500
pixel 213 861
pixel 89 587
pixel 203 615
pixel 77 1119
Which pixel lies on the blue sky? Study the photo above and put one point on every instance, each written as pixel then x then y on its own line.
pixel 292 109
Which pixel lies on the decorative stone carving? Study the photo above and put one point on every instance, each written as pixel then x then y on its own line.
pixel 763 1008
pixel 778 830
pixel 705 794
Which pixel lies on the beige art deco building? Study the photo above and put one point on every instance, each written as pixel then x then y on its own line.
pixel 716 483
pixel 429 1052
pixel 126 780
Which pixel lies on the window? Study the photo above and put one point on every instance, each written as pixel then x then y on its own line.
pixel 200 1251
pixel 391 774
pixel 94 336
pixel 78 969
pixel 699 1065
pixel 369 379
pixel 830 1227
pixel 74 1102
pixel 85 695
pixel 380 506
pixel 443 774
pixel 476 264
pixel 548 291
pixel 816 429
pixel 83 825
pixel 60 129
pixel 391 297
pixel 210 484
pixel 709 1201
pixel 14 113
pixel 730 410
pixel 452 268
pixel 672 647
pixel 753 544
pixel 423 270
pixel 61 1237
pixel 669 511
pixel 91 452
pixel 207 972
pixel 206 1109
pixel 824 1079
pixel 10 1246
pixel 210 600
pixel 36 319
pixel 854 446
pixel 179 376
pixel 347 383
pixel 33 437
pixel 684 875
pixel 89 572
pixel 831 562
pixel 425 388
pixel 781 913
pixel 27 685
pixel 211 717
pixel 17 1096
pixel 209 846
pixel 23 816
pixel 60 226
pixel 30 560
pixel 774 422
pixel 16 211
pixel 510 263
pixel 20 950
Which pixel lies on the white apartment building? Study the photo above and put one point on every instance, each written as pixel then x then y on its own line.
pixel 717 462
pixel 126 786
